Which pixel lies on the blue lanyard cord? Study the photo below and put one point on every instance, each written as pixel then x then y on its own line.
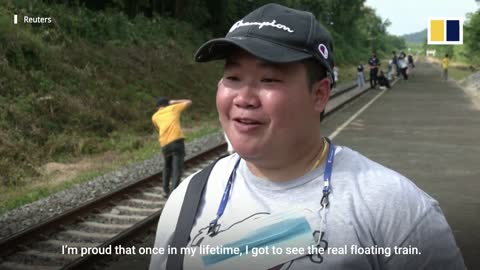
pixel 327 175
pixel 213 227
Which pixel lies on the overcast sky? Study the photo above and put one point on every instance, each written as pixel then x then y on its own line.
pixel 409 16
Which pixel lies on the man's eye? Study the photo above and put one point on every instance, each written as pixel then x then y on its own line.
pixel 232 78
pixel 270 80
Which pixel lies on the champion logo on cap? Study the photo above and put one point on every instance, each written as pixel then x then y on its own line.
pixel 260 25
pixel 323 50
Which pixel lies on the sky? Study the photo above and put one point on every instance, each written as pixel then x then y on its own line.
pixel 409 16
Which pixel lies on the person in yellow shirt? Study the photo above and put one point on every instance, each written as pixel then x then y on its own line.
pixel 167 122
pixel 445 67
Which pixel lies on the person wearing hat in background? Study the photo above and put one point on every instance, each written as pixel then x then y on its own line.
pixel 403 65
pixel 445 62
pixel 373 63
pixel 383 81
pixel 167 122
pixel 287 187
pixel 360 77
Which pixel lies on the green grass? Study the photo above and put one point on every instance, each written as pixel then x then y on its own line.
pixel 86 86
pixel 457 70
pixel 459 74
pixel 87 89
pixel 348 73
pixel 28 195
pixel 14 196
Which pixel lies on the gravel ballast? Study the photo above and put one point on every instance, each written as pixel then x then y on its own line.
pixel 33 213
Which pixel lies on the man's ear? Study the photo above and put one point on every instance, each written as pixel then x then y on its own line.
pixel 321 94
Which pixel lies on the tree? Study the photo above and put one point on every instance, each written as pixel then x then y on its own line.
pixel 472 36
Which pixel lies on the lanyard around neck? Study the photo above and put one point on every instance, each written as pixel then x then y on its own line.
pixel 214 226
pixel 327 174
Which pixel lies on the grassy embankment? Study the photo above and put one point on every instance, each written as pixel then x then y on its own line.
pixel 459 73
pixel 76 96
pixel 457 70
pixel 460 64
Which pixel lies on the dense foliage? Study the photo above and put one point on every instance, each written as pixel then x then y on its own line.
pixel 84 84
pixel 81 84
pixel 356 27
pixel 472 37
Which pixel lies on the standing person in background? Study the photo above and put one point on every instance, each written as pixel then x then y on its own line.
pixel 167 122
pixel 360 77
pixel 411 64
pixel 445 62
pixel 402 64
pixel 391 70
pixel 373 62
pixel 335 75
pixel 395 63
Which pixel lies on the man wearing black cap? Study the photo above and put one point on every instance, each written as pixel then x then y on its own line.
pixel 289 198
pixel 373 63
pixel 170 135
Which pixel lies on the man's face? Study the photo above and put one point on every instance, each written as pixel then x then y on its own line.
pixel 268 110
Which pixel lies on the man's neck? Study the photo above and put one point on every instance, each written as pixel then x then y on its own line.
pixel 292 168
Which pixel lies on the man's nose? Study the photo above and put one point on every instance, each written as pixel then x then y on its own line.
pixel 247 97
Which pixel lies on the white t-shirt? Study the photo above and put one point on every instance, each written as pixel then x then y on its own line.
pixel 370 206
pixel 402 62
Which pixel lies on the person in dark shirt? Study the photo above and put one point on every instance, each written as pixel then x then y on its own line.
pixel 383 81
pixel 373 62
pixel 395 63
pixel 403 65
pixel 411 64
pixel 360 78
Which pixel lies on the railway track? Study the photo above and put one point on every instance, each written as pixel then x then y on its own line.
pixel 110 220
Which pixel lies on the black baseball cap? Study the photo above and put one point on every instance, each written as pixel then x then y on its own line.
pixel 163 101
pixel 276 34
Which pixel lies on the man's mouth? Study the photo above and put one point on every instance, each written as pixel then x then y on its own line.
pixel 247 121
pixel 246 125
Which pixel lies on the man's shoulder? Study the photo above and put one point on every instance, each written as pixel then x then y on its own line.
pixel 157 115
pixel 349 158
pixel 384 193
pixel 376 181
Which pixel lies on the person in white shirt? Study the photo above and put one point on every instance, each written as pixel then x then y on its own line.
pixel 288 197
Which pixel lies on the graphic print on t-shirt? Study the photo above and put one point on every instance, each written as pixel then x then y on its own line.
pixel 261 226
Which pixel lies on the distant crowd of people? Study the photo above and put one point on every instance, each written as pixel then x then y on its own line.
pixel 401 65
